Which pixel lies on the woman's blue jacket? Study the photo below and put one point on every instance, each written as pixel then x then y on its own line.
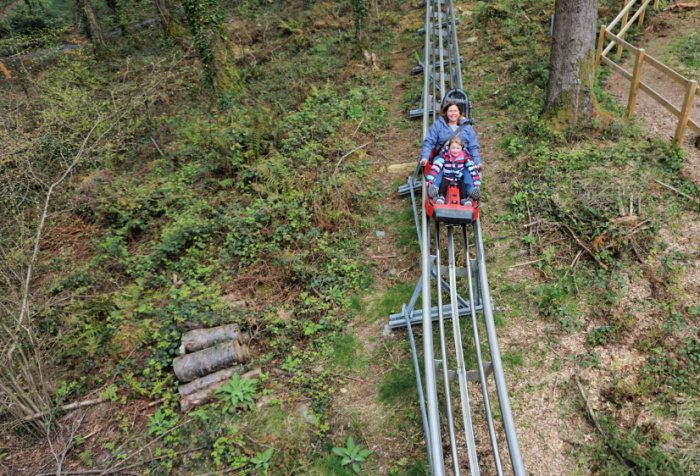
pixel 440 131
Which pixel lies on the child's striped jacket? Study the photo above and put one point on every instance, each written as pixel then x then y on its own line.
pixel 453 167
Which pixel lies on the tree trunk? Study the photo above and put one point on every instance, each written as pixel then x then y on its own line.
pixel 360 9
pixel 210 37
pixel 93 28
pixel 572 64
pixel 118 10
pixel 171 28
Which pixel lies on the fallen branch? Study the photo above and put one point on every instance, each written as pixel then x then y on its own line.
pixel 529 217
pixel 348 154
pixel 584 246
pixel 536 222
pixel 573 263
pixel 597 424
pixel 114 469
pixel 157 148
pixel 226 471
pixel 678 192
pixel 140 463
pixel 526 263
pixel 65 408
pixel 290 374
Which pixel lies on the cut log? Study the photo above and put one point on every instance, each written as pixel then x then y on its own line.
pixel 200 397
pixel 207 394
pixel 202 338
pixel 198 364
pixel 204 382
pixel 252 374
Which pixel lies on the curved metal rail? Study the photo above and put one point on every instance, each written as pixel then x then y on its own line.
pixel 441 68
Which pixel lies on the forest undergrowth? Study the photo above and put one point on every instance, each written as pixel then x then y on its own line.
pixel 161 205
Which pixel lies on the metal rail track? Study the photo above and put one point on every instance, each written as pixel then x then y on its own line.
pixel 442 72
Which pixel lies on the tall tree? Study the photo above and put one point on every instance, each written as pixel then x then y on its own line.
pixel 171 28
pixel 206 22
pixel 93 27
pixel 572 64
pixel 360 9
pixel 118 10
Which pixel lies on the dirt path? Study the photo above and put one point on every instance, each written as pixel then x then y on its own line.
pixel 657 120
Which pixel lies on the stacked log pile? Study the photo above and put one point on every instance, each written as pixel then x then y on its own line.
pixel 207 361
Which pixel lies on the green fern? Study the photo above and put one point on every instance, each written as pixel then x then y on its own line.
pixel 143 334
pixel 277 173
pixel 110 393
pixel 135 385
pixel 87 458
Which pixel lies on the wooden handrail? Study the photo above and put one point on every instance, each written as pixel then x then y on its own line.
pixel 616 67
pixel 660 99
pixel 694 126
pixel 623 30
pixel 622 13
pixel 667 71
pixel 691 86
pixel 616 39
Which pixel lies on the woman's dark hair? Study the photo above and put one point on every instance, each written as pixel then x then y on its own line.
pixel 443 110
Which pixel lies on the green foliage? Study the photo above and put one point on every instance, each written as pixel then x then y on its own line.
pixel 262 460
pixel 205 19
pixel 110 393
pixel 190 196
pixel 688 50
pixel 226 452
pixel 555 302
pixel 351 455
pixel 238 394
pixel 678 366
pixel 163 420
pixel 360 9
pixel 641 451
pixel 399 385
pixel 25 29
pixel 345 349
pixel 87 457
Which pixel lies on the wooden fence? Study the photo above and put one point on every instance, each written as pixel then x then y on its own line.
pixel 641 58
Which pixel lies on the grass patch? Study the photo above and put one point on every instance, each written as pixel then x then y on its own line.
pixel 687 50
pixel 392 300
pixel 512 359
pixel 346 349
pixel 399 385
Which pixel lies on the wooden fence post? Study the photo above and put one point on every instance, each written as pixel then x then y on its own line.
pixel 599 52
pixel 622 36
pixel 634 87
pixel 641 16
pixel 685 111
pixel 656 4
